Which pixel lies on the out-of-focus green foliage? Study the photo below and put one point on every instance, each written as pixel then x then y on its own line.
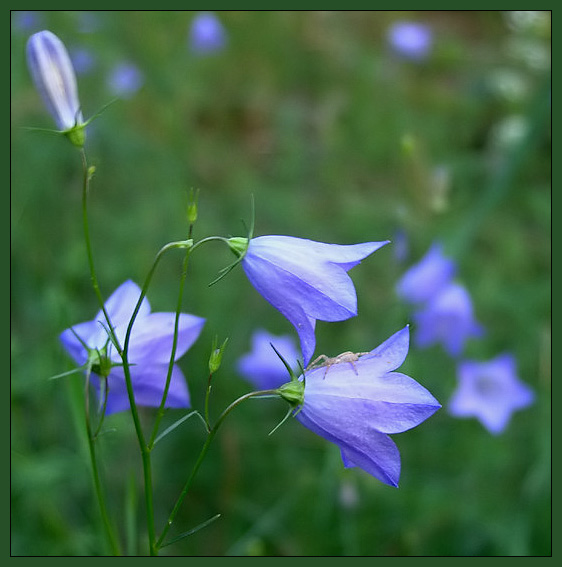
pixel 339 140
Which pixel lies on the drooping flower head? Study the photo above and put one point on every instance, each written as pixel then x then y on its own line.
pixel 447 319
pixel 150 348
pixel 357 404
pixel 428 277
pixel 490 391
pixel 53 75
pixel 206 33
pixel 262 366
pixel 410 40
pixel 305 280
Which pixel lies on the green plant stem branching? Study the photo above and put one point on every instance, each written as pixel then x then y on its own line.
pixel 210 436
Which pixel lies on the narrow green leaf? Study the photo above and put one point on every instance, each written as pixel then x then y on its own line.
pixel 192 531
pixel 178 423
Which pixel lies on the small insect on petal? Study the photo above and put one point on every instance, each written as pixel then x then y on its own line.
pixel 325 361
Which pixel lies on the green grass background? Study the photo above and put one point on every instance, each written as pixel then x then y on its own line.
pixel 338 140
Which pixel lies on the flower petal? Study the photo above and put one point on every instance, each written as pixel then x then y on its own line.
pixel 324 291
pixel 53 75
pixel 148 386
pixel 91 333
pixel 363 446
pixel 392 403
pixel 391 354
pixel 315 272
pixel 152 337
pixel 121 304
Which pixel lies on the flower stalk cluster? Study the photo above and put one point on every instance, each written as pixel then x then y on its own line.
pixel 131 354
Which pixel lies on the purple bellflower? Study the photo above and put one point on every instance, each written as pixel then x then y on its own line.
pixel 206 33
pixel 53 75
pixel 448 319
pixel 303 279
pixel 490 391
pixel 262 366
pixel 410 40
pixel 150 347
pixel 357 404
pixel 424 280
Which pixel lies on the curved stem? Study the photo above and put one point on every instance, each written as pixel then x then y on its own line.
pixel 210 436
pixel 144 448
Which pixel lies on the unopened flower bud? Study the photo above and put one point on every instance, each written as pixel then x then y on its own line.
pixel 192 206
pixel 215 359
pixel 53 75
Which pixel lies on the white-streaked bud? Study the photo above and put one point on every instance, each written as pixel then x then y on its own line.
pixel 53 75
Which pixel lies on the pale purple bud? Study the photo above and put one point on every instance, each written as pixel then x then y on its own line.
pixel 53 75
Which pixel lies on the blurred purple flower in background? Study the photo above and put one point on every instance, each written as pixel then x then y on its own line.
pixel 410 40
pixel 150 348
pixel 83 60
pixel 206 33
pixel 356 405
pixel 27 20
pixel 490 391
pixel 125 79
pixel 428 277
pixel 261 366
pixel 54 78
pixel 447 319
pixel 306 280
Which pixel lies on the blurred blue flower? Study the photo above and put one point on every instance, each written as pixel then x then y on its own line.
pixel 490 391
pixel 53 75
pixel 150 348
pixel 207 34
pixel 410 40
pixel 447 318
pixel 401 246
pixel 356 405
pixel 306 280
pixel 428 277
pixel 261 366
pixel 27 20
pixel 83 60
pixel 125 79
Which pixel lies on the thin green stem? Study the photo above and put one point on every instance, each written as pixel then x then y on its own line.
pixel 91 438
pixel 144 448
pixel 207 396
pixel 93 276
pixel 161 408
pixel 96 477
pixel 204 450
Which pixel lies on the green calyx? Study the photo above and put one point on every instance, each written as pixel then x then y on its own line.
pixel 239 245
pixel 99 362
pixel 293 392
pixel 77 135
